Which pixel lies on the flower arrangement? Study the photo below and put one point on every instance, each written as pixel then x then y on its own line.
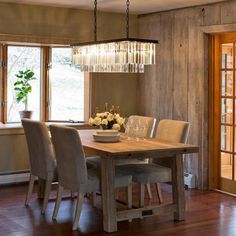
pixel 108 119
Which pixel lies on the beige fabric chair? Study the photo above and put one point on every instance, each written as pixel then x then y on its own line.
pixel 140 126
pixel 73 173
pixel 158 171
pixel 41 153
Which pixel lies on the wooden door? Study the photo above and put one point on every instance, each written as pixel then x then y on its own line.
pixel 222 113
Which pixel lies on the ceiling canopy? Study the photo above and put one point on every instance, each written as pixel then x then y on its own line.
pixel 138 6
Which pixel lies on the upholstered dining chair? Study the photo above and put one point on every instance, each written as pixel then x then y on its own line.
pixel 73 173
pixel 158 171
pixel 136 126
pixel 41 156
pixel 140 126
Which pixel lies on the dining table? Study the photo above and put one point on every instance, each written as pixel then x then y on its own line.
pixel 133 148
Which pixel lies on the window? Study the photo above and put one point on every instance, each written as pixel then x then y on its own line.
pixel 23 58
pixel 66 87
pixel 59 91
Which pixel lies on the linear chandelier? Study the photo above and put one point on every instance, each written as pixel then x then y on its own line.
pixel 128 55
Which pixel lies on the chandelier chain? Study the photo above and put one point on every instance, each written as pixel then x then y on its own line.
pixel 127 18
pixel 95 20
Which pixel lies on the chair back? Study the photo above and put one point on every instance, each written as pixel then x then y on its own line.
pixel 41 153
pixel 71 165
pixel 173 130
pixel 142 126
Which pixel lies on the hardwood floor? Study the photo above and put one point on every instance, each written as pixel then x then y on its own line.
pixel 208 213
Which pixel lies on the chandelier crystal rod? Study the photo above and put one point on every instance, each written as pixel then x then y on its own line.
pixel 127 55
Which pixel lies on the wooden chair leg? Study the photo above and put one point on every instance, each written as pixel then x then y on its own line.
pixel 129 198
pixel 148 186
pixel 30 189
pixel 79 203
pixel 58 202
pixel 141 192
pixel 46 195
pixel 159 193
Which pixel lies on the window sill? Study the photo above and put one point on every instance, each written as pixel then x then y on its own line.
pixel 16 128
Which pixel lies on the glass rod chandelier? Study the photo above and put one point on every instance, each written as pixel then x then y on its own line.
pixel 128 55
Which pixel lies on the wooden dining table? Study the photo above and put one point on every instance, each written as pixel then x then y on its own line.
pixel 133 149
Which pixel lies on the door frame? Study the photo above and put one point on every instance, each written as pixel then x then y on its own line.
pixel 214 112
pixel 215 180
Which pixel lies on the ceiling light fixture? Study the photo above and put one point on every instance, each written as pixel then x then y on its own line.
pixel 128 55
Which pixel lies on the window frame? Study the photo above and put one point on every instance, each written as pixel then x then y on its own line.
pixel 44 85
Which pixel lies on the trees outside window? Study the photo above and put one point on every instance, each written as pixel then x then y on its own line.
pixel 66 87
pixel 20 59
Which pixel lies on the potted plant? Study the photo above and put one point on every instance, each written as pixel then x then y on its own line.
pixel 23 87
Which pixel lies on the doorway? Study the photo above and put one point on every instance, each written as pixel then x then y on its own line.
pixel 222 141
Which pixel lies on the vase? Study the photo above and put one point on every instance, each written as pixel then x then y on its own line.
pixel 25 114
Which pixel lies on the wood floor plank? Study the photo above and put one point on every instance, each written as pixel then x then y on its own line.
pixel 207 213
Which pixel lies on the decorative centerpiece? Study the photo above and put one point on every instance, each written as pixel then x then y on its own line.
pixel 109 119
pixel 23 87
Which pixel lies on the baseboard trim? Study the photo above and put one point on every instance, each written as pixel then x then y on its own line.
pixel 14 178
pixel 220 191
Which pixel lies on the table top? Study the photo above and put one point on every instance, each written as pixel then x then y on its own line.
pixel 126 147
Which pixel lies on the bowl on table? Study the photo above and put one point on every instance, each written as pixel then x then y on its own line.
pixel 106 136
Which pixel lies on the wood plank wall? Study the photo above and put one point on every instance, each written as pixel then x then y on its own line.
pixel 177 86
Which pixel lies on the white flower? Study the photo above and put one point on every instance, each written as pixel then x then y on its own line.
pixel 97 121
pixel 110 117
pixel 104 122
pixel 117 115
pixel 120 120
pixel 116 127
pixel 101 114
pixel 90 121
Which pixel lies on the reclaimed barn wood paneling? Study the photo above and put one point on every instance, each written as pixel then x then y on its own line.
pixel 149 89
pixel 177 86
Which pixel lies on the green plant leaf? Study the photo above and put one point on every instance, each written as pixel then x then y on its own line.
pixel 18 82
pixel 19 76
pixel 22 85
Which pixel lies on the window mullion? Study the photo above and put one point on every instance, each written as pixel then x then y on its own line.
pixel 3 81
pixel 45 83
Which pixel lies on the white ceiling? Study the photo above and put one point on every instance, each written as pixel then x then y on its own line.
pixel 136 6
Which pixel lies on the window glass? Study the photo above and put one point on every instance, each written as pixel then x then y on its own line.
pixel 21 59
pixel 227 56
pixel 66 87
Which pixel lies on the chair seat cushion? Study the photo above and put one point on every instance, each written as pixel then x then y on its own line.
pixel 147 173
pixel 122 179
pixel 93 162
pixel 93 183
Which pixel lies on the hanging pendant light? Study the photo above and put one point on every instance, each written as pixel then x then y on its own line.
pixel 128 55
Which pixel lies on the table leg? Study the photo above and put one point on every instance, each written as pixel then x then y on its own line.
pixel 178 187
pixel 108 195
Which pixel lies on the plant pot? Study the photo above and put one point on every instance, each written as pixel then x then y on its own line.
pixel 25 114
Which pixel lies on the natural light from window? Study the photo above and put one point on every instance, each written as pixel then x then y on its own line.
pixel 23 58
pixel 66 87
